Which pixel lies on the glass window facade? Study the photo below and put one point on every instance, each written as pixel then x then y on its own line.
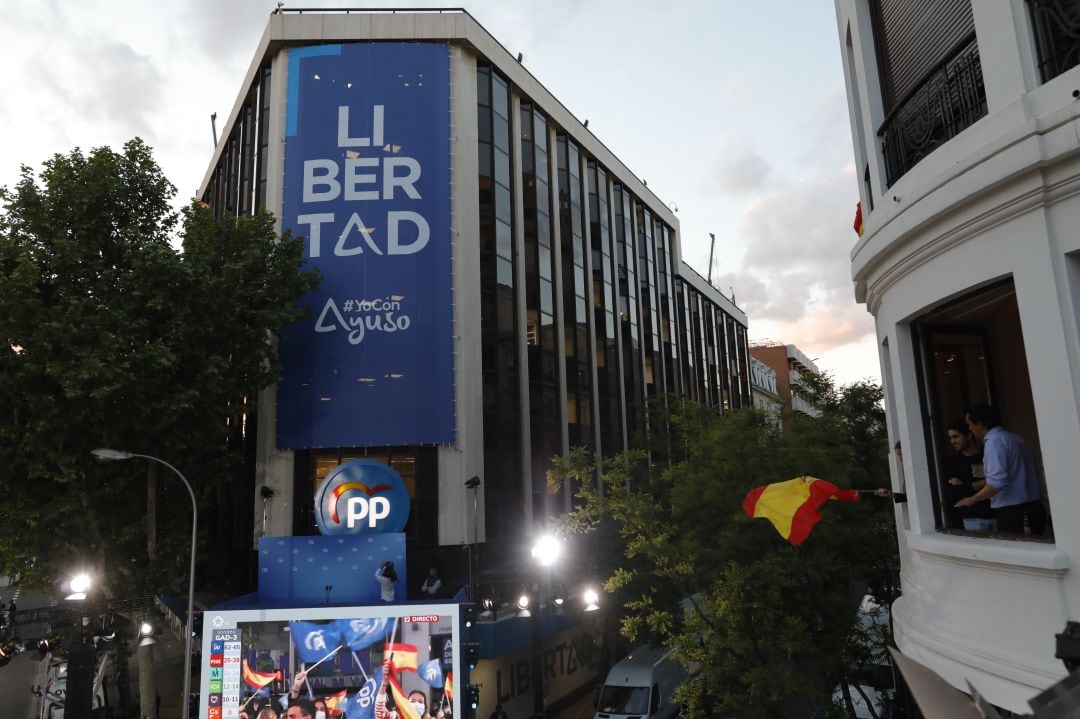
pixel 545 412
pixel 576 301
pixel 650 302
pixel 503 493
pixel 238 183
pixel 629 311
pixel 608 377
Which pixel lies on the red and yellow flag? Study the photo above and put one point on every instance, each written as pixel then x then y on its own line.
pixel 255 679
pixel 403 657
pixel 401 701
pixel 792 506
pixel 334 702
pixel 448 687
pixel 858 218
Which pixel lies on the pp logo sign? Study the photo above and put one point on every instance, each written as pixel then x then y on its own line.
pixel 362 497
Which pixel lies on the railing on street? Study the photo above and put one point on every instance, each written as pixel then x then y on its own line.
pixel 951 98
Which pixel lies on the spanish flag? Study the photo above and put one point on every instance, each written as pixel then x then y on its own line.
pixel 335 702
pixel 403 657
pixel 792 506
pixel 448 688
pixel 401 701
pixel 256 679
pixel 858 227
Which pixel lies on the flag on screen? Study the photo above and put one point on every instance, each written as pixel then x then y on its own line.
pixel 362 633
pixel 361 705
pixel 792 506
pixel 314 641
pixel 431 673
pixel 336 702
pixel 401 700
pixel 254 678
pixel 403 657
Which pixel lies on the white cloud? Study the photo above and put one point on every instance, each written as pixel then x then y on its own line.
pixel 740 169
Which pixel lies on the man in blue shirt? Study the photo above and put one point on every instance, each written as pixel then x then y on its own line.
pixel 1012 486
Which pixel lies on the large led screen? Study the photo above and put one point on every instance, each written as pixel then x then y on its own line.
pixel 367 183
pixel 345 661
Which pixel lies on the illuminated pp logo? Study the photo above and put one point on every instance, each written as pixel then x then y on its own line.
pixel 362 497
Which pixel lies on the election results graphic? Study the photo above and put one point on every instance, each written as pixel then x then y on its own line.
pixel 363 496
pixel 223 667
pixel 367 184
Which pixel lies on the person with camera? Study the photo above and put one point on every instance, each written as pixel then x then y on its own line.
pixel 386 577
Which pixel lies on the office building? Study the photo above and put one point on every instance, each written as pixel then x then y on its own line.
pixel 789 363
pixel 499 287
pixel 764 391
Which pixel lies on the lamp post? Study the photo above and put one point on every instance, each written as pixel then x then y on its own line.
pixel 545 551
pixel 79 586
pixel 116 455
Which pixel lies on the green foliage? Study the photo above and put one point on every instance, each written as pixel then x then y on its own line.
pixel 109 337
pixel 757 620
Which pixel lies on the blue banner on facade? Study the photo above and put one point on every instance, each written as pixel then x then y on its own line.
pixel 367 182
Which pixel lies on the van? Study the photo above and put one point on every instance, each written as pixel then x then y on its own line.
pixel 641 686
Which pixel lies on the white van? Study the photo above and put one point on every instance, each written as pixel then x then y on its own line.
pixel 641 686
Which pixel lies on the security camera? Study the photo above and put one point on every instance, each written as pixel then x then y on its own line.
pixel 266 492
pixel 472 482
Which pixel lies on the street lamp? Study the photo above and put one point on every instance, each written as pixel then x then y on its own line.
pixel 592 600
pixel 116 455
pixel 79 586
pixel 546 551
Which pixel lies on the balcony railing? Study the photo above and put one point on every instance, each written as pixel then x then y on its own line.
pixel 1057 35
pixel 948 100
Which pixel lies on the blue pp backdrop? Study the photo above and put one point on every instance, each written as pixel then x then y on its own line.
pixel 367 182
pixel 296 570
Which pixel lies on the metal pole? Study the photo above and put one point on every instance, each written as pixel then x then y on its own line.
pixel 712 246
pixel 191 583
pixel 539 710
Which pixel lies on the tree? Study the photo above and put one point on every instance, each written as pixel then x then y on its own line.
pixel 110 337
pixel 760 623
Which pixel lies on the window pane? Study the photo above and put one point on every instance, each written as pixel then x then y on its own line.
pixel 505 272
pixel 502 167
pixel 502 240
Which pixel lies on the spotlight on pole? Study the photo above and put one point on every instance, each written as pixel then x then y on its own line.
pixel 523 601
pixel 547 550
pixel 79 585
pixel 592 600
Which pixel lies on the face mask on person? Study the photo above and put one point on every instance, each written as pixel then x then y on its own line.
pixel 419 707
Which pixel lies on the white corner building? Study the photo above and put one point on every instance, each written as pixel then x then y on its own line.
pixel 965 123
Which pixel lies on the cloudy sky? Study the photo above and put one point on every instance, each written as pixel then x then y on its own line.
pixel 733 111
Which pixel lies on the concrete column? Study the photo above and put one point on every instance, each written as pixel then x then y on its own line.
pixel 465 459
pixel 273 468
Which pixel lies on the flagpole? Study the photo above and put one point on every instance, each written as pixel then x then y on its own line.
pixel 332 653
pixel 358 664
pixel 393 639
